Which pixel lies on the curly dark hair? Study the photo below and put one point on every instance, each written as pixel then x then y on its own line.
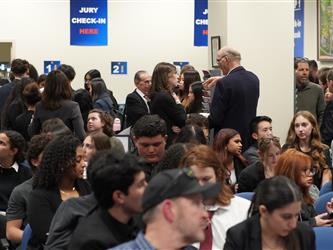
pixel 16 140
pixel 59 156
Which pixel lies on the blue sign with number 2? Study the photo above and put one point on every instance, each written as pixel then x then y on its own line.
pixel 119 68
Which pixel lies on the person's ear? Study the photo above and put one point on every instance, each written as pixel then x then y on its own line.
pixel 167 207
pixel 135 140
pixel 263 210
pixel 165 138
pixel 118 197
pixel 255 136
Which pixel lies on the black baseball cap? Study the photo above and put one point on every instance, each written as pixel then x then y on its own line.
pixel 175 183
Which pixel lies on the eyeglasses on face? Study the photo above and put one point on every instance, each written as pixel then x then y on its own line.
pixel 309 171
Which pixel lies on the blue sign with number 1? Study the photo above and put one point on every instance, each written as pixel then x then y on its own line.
pixel 50 65
pixel 119 68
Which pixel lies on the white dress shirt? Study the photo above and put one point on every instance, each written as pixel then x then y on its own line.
pixel 143 97
pixel 226 217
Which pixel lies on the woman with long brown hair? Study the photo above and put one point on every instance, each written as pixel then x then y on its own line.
pixel 304 136
pixel 164 101
pixel 228 147
pixel 298 167
pixel 226 209
pixel 57 103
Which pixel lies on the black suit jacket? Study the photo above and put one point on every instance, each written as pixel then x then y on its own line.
pixel 247 235
pixel 234 103
pixel 250 177
pixel 99 231
pixel 135 108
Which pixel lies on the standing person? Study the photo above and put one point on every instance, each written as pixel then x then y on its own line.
pixel 59 177
pixel 228 146
pixel 137 102
pixel 100 96
pixel 94 142
pixel 19 69
pixel 269 150
pixel 173 211
pixel 309 96
pixel 236 95
pixel 194 100
pixel 260 127
pixel 326 128
pixel 304 136
pixel 272 222
pixel 226 210
pixel 56 102
pixel 164 102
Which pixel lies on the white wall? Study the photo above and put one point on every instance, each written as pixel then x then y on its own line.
pixel 263 33
pixel 142 32
pixel 310 32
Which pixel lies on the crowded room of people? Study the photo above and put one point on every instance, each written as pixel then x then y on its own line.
pixel 133 125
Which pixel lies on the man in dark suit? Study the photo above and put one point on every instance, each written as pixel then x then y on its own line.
pixel 19 69
pixel 137 102
pixel 235 97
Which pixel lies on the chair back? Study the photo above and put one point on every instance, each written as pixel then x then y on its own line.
pixel 26 236
pixel 320 204
pixel 246 195
pixel 324 239
pixel 327 187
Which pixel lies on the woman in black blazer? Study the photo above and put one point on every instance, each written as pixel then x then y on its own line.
pixel 273 221
pixel 57 103
pixel 164 101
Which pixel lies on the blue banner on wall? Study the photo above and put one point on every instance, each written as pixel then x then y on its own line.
pixel 299 29
pixel 201 23
pixel 89 22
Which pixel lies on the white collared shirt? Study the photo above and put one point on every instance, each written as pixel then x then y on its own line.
pixel 225 217
pixel 143 97
pixel 15 166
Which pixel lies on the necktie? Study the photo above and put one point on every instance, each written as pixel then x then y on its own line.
pixel 147 102
pixel 207 244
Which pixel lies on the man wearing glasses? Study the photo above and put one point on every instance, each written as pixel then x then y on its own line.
pixel 235 97
pixel 173 211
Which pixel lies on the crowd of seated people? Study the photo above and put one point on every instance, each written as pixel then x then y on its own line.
pixel 65 172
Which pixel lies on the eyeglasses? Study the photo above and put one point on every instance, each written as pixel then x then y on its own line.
pixel 220 59
pixel 309 171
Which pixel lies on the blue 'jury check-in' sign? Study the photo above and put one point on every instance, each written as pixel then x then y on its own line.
pixel 119 68
pixel 50 65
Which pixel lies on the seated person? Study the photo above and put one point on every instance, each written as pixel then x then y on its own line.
pixel 12 170
pixel 260 127
pixel 59 178
pixel 226 209
pixel 269 153
pixel 17 205
pixel 272 222
pixel 150 136
pixel 118 185
pixel 173 211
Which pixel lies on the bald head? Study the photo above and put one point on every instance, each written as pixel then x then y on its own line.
pixel 231 53
pixel 228 58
